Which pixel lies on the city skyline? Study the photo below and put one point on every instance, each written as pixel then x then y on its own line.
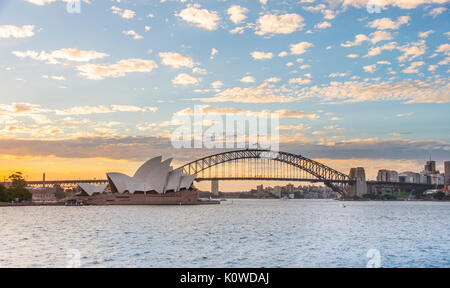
pixel 87 93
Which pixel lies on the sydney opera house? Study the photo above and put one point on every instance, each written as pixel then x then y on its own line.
pixel 155 182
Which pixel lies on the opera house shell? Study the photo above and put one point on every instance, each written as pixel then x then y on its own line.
pixel 153 177
pixel 89 189
pixel 154 183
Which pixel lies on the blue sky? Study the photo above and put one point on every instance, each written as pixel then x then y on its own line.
pixel 121 69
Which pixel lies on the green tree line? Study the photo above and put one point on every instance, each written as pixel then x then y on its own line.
pixel 16 190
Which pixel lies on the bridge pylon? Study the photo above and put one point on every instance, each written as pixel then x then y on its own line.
pixel 359 186
pixel 215 187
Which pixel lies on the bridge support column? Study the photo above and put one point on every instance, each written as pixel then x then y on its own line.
pixel 359 187
pixel 215 187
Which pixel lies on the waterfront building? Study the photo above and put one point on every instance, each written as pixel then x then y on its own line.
pixel 403 178
pixel 42 194
pixel 153 177
pixel 430 168
pixel 447 172
pixel 277 191
pixel 414 176
pixel 385 175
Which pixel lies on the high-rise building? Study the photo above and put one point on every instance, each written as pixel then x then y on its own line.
pixel 387 175
pixel 430 168
pixel 447 172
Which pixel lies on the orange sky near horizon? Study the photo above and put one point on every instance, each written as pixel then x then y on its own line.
pixel 57 168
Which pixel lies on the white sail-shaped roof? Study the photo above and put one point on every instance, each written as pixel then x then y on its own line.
pixel 173 181
pixel 148 168
pixel 153 175
pixel 91 189
pixel 122 182
pixel 159 178
pixel 186 181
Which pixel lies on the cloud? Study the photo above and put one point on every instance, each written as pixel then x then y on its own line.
pixel 299 81
pixel 237 13
pixel 373 51
pixel 403 4
pixel 87 110
pixel 334 75
pixel 407 91
pixel 412 50
pixel 139 147
pixel 359 39
pixel 374 38
pixel 133 33
pixel 436 11
pixel 211 110
pixel 323 25
pixel 58 78
pixel 444 48
pixel 199 71
pixel 185 79
pixel 264 93
pixel 273 80
pixel 200 17
pixel 45 2
pixel 425 34
pixel 176 60
pixel 69 54
pixel 127 14
pixel 352 56
pixel 217 84
pixel 370 68
pixel 386 23
pixel 404 114
pixel 378 36
pixel 213 54
pixel 258 55
pixel 327 13
pixel 40 2
pixel 248 79
pixel 8 31
pixel 282 24
pixel 300 48
pixel 413 67
pixel 119 69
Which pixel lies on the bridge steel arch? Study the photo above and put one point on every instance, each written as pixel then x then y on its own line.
pixel 332 178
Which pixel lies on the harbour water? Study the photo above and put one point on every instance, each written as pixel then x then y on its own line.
pixel 237 233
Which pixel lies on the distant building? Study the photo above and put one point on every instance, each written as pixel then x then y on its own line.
pixel 415 177
pixel 290 188
pixel 385 175
pixel 42 194
pixel 430 167
pixel 277 191
pixel 405 178
pixel 260 188
pixel 447 172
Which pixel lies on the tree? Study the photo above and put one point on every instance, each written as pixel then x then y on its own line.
pixel 439 195
pixel 3 193
pixel 17 188
pixel 59 194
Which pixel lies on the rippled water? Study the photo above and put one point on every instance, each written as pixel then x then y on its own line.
pixel 238 233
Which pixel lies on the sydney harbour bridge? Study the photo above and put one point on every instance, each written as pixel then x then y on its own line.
pixel 267 165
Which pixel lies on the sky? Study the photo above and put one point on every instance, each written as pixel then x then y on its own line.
pixel 354 83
